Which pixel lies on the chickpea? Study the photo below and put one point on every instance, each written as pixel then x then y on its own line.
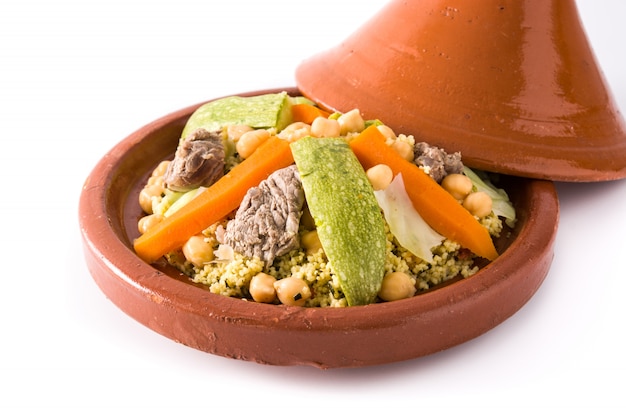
pixel 351 121
pixel 396 286
pixel 159 171
pixel 458 185
pixel 478 203
pixel 295 131
pixel 306 219
pixel 380 176
pixel 198 251
pixel 292 291
pixel 403 149
pixel 262 288
pixel 149 221
pixel 157 180
pixel 234 132
pixel 325 128
pixel 386 131
pixel 147 194
pixel 310 241
pixel 250 141
pixel 145 201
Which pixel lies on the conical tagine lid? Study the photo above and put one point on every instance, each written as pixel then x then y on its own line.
pixel 513 85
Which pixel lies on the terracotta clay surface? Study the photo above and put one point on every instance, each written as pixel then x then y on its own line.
pixel 513 85
pixel 165 301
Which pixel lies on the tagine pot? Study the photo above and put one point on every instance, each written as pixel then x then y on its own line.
pixel 164 300
pixel 513 85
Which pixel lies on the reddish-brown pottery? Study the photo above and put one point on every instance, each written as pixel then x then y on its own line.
pixel 514 85
pixel 160 298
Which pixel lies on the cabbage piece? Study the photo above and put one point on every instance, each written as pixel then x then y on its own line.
pixel 502 206
pixel 405 223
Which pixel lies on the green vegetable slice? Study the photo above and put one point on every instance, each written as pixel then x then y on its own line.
pixel 262 111
pixel 349 222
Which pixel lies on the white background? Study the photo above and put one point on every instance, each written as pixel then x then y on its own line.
pixel 76 77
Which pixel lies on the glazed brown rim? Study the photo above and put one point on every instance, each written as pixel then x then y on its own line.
pixel 164 301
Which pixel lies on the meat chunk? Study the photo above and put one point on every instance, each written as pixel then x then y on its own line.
pixel 266 224
pixel 199 161
pixel 436 162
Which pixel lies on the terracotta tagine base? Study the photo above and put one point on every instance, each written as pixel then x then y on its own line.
pixel 165 301
pixel 513 85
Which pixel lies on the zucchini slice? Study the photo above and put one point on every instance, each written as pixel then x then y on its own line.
pixel 349 221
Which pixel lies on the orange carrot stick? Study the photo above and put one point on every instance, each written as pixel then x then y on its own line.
pixel 436 206
pixel 304 112
pixel 214 203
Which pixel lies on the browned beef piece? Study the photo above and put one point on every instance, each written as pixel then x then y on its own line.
pixel 199 161
pixel 266 224
pixel 437 160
